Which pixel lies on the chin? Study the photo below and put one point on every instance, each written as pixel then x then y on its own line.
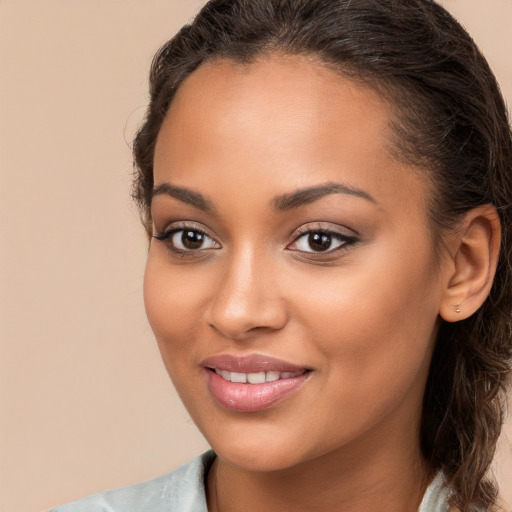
pixel 261 446
pixel 257 457
pixel 250 444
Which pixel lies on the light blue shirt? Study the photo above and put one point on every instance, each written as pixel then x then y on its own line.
pixel 183 491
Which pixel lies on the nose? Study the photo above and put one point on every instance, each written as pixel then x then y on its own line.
pixel 247 300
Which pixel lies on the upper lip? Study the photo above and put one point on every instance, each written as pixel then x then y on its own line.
pixel 252 363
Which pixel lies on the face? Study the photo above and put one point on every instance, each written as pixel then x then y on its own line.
pixel 292 283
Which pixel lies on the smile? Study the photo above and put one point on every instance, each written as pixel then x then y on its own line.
pixel 255 378
pixel 252 383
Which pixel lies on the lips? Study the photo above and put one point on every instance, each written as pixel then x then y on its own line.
pixel 252 383
pixel 251 364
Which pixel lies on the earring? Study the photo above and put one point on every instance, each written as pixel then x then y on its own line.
pixel 457 308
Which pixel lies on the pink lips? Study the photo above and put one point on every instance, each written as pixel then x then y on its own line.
pixel 247 397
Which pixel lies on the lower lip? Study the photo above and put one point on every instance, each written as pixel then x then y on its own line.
pixel 252 397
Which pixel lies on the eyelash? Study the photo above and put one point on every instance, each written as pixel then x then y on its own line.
pixel 344 239
pixel 166 236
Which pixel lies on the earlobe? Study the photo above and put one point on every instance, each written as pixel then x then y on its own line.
pixel 474 251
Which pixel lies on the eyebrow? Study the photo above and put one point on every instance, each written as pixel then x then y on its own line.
pixel 309 195
pixel 284 202
pixel 184 195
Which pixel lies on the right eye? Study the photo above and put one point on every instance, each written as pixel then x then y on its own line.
pixel 187 240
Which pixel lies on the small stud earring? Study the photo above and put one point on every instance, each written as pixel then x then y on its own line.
pixel 457 308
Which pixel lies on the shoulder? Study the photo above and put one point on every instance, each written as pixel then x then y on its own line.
pixel 437 497
pixel 182 490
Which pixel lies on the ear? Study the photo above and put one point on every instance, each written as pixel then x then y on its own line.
pixel 473 257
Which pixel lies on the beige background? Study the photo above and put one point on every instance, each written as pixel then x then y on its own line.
pixel 85 403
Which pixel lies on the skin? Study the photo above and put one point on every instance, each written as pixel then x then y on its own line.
pixel 363 317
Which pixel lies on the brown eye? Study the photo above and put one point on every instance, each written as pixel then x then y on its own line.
pixel 182 240
pixel 319 241
pixel 192 239
pixel 186 240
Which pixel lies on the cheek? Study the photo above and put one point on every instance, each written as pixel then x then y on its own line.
pixel 374 322
pixel 173 302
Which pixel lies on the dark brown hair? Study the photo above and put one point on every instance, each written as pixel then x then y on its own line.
pixel 450 121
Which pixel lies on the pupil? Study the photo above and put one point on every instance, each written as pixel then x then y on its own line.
pixel 192 239
pixel 319 241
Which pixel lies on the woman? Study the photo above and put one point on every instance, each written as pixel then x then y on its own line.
pixel 326 190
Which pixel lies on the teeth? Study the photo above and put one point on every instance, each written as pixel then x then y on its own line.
pixel 225 374
pixel 289 375
pixel 255 378
pixel 238 377
pixel 271 376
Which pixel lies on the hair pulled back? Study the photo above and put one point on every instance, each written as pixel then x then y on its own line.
pixel 451 121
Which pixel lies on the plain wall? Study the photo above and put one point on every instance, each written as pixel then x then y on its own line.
pixel 85 403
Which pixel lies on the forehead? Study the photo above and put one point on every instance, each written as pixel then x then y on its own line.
pixel 285 94
pixel 286 121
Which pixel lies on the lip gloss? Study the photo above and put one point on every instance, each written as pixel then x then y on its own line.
pixel 233 392
pixel 245 397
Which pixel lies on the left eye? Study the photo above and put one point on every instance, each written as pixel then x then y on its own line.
pixel 319 241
